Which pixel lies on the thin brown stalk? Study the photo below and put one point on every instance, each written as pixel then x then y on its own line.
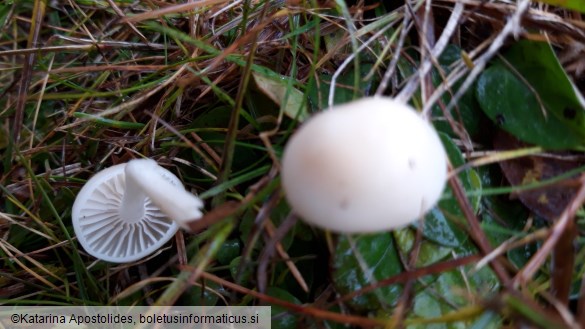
pixel 413 274
pixel 475 230
pixel 270 230
pixel 307 310
pixel 172 9
pixel 28 66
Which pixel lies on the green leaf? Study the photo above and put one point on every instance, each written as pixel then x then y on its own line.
pixel 439 225
pixel 363 260
pixel 503 218
pixel 448 294
pixel 247 271
pixel 569 4
pixel 429 252
pixel 467 111
pixel 105 122
pixel 284 94
pixel 539 65
pixel 537 103
pixel 206 297
pixel 427 306
pixel 4 11
pixel 228 251
pixel 344 91
pixel 440 229
pixel 443 296
pixel 488 320
pixel 281 317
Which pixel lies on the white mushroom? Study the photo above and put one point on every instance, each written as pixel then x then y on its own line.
pixel 365 166
pixel 128 211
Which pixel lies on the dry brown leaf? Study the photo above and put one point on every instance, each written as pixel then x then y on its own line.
pixel 548 201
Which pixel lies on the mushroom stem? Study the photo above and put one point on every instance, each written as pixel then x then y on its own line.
pixel 178 204
pixel 132 206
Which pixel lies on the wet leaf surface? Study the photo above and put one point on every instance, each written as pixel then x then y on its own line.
pixel 439 223
pixel 438 295
pixel 467 112
pixel 362 260
pixel 448 293
pixel 429 252
pixel 228 251
pixel 531 97
pixel 281 318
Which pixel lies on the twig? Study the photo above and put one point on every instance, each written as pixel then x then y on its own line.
pixel 347 61
pixel 475 229
pixel 412 275
pixel 318 313
pixel 269 248
pixel 172 10
pixel 392 66
pixel 512 27
pixel 437 50
pixel 28 67
pixel 270 229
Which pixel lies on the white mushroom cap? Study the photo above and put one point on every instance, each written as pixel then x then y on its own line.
pixel 365 166
pixel 128 211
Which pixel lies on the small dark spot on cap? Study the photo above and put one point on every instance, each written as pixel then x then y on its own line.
pixel 344 204
pixel 569 113
pixel 411 163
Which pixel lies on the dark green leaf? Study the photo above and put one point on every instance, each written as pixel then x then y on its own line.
pixel 538 64
pixel 503 218
pixel 344 91
pixel 281 317
pixel 467 111
pixel 448 293
pixel 207 295
pixel 362 260
pixel 228 251
pixel 440 228
pixel 439 225
pixel 246 274
pixel 537 103
pixel 429 252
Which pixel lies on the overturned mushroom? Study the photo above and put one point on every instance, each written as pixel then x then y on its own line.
pixel 128 211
